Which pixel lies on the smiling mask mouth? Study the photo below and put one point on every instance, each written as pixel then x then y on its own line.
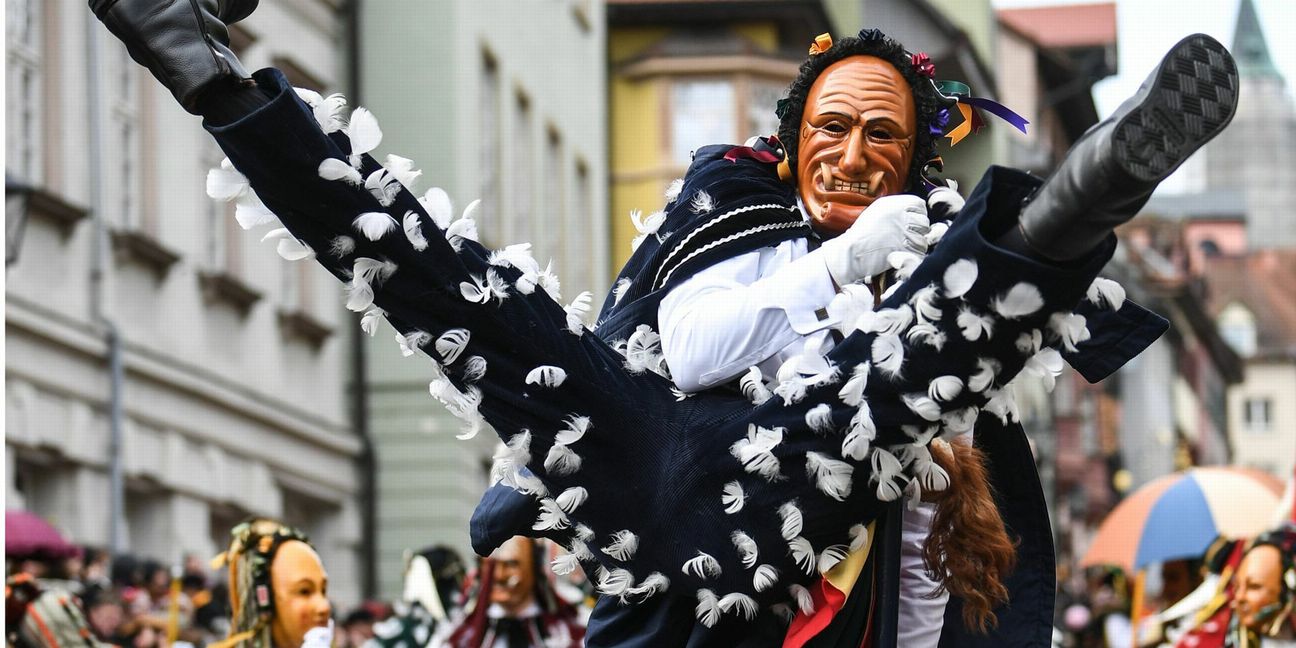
pixel 832 183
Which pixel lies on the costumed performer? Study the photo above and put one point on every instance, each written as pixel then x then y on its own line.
pixel 513 604
pixel 278 589
pixel 431 598
pixel 1264 593
pixel 765 307
pixel 615 455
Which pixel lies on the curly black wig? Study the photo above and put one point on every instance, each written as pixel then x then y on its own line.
pixel 929 103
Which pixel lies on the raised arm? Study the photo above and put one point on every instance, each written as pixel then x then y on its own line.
pixel 743 311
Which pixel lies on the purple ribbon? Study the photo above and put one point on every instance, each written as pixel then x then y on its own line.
pixel 999 110
pixel 937 127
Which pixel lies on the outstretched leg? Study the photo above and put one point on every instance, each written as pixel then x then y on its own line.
pixel 1110 173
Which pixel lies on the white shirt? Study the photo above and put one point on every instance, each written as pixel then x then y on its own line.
pixel 921 615
pixel 756 309
pixel 759 309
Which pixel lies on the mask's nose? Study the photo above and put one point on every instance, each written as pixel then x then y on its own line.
pixel 854 157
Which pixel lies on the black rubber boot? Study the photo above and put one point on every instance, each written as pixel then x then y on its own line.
pixel 184 43
pixel 1112 170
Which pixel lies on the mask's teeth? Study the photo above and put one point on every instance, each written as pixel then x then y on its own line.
pixel 875 182
pixel 828 181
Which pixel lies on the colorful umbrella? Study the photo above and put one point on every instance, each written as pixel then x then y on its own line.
pixel 28 535
pixel 1177 516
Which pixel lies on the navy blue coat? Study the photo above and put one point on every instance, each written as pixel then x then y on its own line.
pixel 651 465
pixel 1117 336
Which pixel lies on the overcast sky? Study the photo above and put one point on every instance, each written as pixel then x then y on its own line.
pixel 1147 28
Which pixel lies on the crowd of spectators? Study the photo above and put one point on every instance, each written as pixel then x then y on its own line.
pixel 137 602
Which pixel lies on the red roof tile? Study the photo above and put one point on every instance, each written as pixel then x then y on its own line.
pixel 1265 282
pixel 1081 25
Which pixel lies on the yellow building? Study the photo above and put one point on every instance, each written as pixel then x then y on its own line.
pixel 684 74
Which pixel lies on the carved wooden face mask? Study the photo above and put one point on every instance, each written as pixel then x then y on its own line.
pixel 1258 594
pixel 514 565
pixel 856 140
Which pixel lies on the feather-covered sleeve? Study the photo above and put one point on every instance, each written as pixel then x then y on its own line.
pixel 412 259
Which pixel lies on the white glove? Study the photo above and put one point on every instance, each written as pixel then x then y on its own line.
pixel 319 636
pixel 891 223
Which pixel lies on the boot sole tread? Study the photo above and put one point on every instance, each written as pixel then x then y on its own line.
pixel 1192 100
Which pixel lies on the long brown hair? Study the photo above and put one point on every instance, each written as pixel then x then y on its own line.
pixel 969 550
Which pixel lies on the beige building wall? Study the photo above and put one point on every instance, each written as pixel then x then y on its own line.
pixel 235 376
pixel 1267 442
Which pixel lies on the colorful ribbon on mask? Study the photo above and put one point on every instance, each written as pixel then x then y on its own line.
pixel 822 43
pixel 970 107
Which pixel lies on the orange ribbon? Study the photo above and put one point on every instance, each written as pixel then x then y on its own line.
pixel 962 130
pixel 821 44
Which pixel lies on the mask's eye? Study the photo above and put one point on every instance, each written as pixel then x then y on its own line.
pixel 836 128
pixel 881 135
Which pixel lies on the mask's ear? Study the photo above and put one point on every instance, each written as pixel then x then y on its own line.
pixel 785 171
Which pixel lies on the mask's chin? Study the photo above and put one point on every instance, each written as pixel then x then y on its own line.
pixel 831 219
pixel 834 204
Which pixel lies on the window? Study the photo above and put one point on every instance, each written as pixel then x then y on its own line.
pixel 148 522
pixel 123 142
pixel 488 172
pixel 1237 326
pixel 762 99
pixel 23 88
pixel 577 277
pixel 220 519
pixel 224 252
pixel 32 489
pixel 293 287
pixel 520 226
pixel 551 216
pixel 1257 414
pixel 702 113
pixel 310 514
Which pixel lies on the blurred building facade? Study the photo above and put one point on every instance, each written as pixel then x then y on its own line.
pixel 233 387
pixel 1253 300
pixel 688 74
pixel 1231 242
pixel 514 117
pixel 1251 290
